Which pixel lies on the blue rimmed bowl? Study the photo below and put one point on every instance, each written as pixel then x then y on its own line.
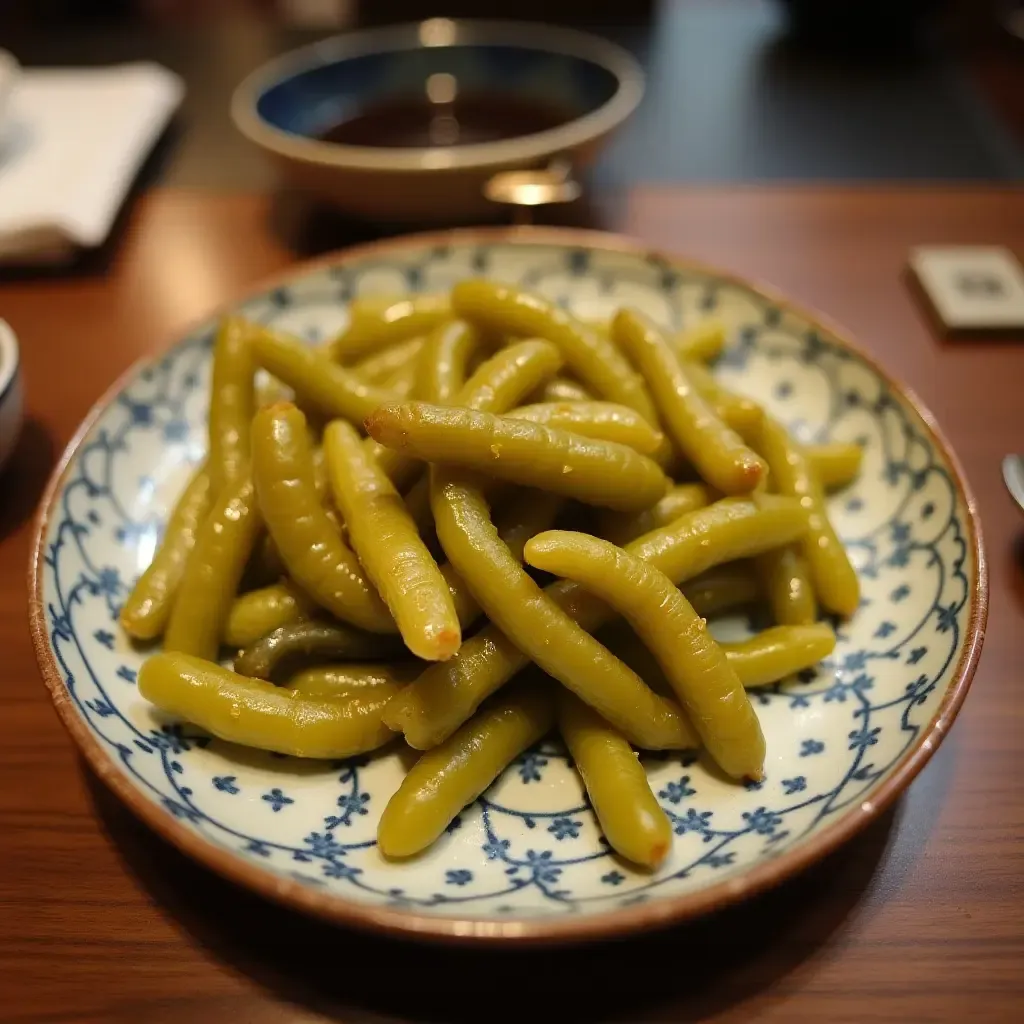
pixel 526 862
pixel 284 106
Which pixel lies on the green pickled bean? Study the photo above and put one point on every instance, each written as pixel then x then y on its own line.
pixel 693 662
pixel 343 680
pixel 449 777
pixel 444 696
pixel 144 615
pixel 721 589
pixel 538 626
pixel 276 653
pixel 594 472
pixel 376 324
pixel 622 527
pixel 377 368
pixel 388 545
pixel 496 386
pixel 258 714
pixel 737 412
pixel 779 652
pixel 401 382
pixel 268 390
pixel 834 578
pixel 600 421
pixel 444 360
pixel 836 464
pixel 524 517
pixel 259 612
pixel 630 817
pixel 442 377
pixel 701 343
pixel 232 402
pixel 722 459
pixel 561 389
pixel 787 586
pixel 502 381
pixel 213 572
pixel 317 558
pixel 761 660
pixel 590 355
pixel 320 384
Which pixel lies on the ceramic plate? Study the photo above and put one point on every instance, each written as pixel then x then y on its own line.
pixel 527 861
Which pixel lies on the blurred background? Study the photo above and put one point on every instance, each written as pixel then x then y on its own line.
pixel 738 90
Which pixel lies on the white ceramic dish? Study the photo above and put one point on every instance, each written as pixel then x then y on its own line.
pixel 282 106
pixel 526 863
pixel 11 393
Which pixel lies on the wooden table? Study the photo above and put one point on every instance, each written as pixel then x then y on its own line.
pixel 920 919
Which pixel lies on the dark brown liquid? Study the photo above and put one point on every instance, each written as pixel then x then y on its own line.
pixel 414 122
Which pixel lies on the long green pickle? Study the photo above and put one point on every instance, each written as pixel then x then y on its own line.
pixel 538 626
pixel 779 652
pixel 787 586
pixel 622 527
pixel 232 402
pixel 375 323
pixel 258 714
pixel 277 652
pixel 377 368
pixel 722 459
pixel 259 612
pixel 594 472
pixel 446 695
pixel 343 679
pixel 722 589
pixel 562 389
pixel 321 386
pixel 737 412
pixel 401 382
pixel 496 386
pixel 444 780
pixel 526 515
pixel 693 662
pixel 311 546
pixel 765 658
pixel 505 310
pixel 499 384
pixel 443 362
pixel 834 578
pixel 836 464
pixel 213 571
pixel 144 615
pixel 602 421
pixel 630 817
pixel 388 544
pixel 701 343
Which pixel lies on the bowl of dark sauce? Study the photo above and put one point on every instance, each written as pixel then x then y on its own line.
pixel 408 124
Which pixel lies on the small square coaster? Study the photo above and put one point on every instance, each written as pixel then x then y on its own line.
pixel 971 287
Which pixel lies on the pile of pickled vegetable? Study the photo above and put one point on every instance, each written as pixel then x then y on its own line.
pixel 472 518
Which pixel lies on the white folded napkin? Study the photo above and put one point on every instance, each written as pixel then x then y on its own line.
pixel 71 142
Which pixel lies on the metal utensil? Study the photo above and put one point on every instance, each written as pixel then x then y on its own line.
pixel 538 186
pixel 1013 476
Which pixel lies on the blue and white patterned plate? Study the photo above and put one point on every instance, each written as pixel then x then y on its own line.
pixel 527 860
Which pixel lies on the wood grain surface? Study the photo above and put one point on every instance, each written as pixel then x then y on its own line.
pixel 919 919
